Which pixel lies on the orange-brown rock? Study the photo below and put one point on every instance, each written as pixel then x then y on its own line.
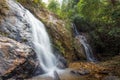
pixel 13 58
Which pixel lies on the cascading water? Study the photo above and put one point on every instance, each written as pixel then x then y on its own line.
pixel 40 38
pixel 41 43
pixel 83 41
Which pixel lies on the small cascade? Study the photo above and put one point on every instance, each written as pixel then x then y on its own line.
pixel 40 38
pixel 84 42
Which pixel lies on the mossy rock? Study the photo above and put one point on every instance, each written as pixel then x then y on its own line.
pixel 3 9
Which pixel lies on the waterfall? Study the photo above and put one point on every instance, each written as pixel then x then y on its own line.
pixel 41 43
pixel 84 42
pixel 40 38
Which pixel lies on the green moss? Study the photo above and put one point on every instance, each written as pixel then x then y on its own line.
pixel 32 3
pixel 3 9
pixel 24 40
pixel 3 34
pixel 59 46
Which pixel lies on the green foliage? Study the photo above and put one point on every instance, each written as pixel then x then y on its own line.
pixel 53 6
pixel 89 9
pixel 33 3
pixel 66 11
pixel 59 46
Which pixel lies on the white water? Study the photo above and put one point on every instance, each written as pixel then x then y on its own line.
pixel 40 38
pixel 42 44
pixel 87 47
pixel 88 50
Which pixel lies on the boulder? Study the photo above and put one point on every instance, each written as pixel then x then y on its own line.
pixel 56 76
pixel 16 59
pixel 81 72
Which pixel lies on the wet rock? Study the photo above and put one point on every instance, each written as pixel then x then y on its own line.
pixel 111 78
pixel 38 70
pixel 15 59
pixel 60 65
pixel 14 26
pixel 81 72
pixel 62 62
pixel 56 76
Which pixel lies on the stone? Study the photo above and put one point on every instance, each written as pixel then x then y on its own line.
pixel 15 58
pixel 56 76
pixel 111 78
pixel 62 62
pixel 81 72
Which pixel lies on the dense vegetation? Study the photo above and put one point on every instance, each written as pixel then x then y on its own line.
pixel 34 3
pixel 99 18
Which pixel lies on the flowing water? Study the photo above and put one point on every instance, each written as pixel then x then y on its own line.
pixel 40 38
pixel 41 43
pixel 84 42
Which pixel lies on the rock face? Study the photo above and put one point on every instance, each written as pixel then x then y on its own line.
pixel 79 48
pixel 17 58
pixel 14 26
pixel 80 72
pixel 13 56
